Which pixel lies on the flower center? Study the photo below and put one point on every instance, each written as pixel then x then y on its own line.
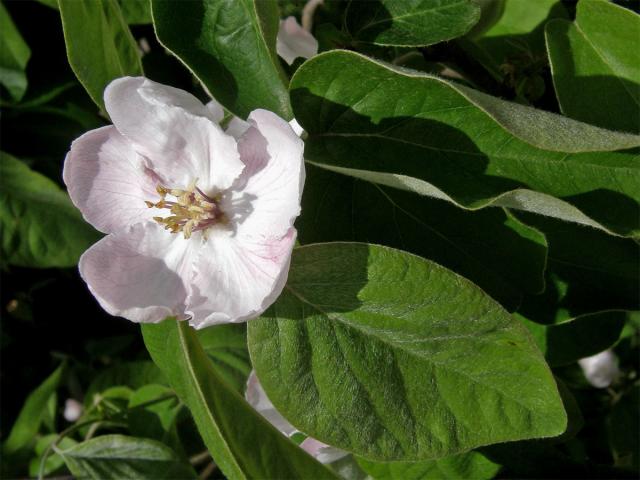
pixel 191 211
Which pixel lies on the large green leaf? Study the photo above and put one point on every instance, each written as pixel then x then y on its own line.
pixel 595 65
pixel 588 271
pixel 136 12
pixel 410 22
pixel 228 425
pixel 472 465
pixel 100 47
pixel 567 342
pixel 393 357
pixel 31 415
pixel 54 462
pixel 14 55
pixel 114 457
pixel 40 225
pixel 491 248
pixel 420 133
pixel 226 345
pixel 230 46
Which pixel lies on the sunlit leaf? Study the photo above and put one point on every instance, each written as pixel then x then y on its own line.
pixel 393 357
pixel 595 66
pixel 100 47
pixel 40 225
pixel 230 46
pixel 226 422
pixel 420 133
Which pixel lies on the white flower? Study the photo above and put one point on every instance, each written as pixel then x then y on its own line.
pixel 293 41
pixel 199 221
pixel 257 398
pixel 600 370
pixel 72 410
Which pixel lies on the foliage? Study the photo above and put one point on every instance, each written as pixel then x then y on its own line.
pixel 469 232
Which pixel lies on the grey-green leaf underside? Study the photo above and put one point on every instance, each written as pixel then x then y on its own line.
pixel 420 133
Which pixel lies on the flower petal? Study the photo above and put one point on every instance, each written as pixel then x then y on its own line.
pixel 293 41
pixel 265 200
pixel 176 133
pixel 321 451
pixel 236 279
pixel 107 180
pixel 237 127
pixel 600 370
pixel 139 273
pixel 257 398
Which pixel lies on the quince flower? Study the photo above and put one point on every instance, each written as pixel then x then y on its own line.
pixel 257 398
pixel 600 370
pixel 293 41
pixel 199 222
pixel 72 410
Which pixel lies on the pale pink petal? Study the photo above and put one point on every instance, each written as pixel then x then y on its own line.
pixel 72 410
pixel 237 127
pixel 600 370
pixel 293 41
pixel 236 278
pixel 265 200
pixel 139 273
pixel 257 398
pixel 175 132
pixel 107 180
pixel 321 451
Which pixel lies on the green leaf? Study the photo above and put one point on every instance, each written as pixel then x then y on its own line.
pixel 40 225
pixel 410 23
pixel 118 456
pixel 623 437
pixel 100 47
pixel 54 461
pixel 229 45
pixel 14 55
pixel 136 12
pixel 134 375
pixel 152 413
pixel 226 345
pixel 30 418
pixel 393 357
pixel 583 336
pixel 514 48
pixel 596 69
pixel 490 247
pixel 49 3
pixel 471 465
pixel 159 405
pixel 490 13
pixel 228 425
pixel 454 143
pixel 589 271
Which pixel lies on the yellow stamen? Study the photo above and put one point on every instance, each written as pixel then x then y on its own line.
pixel 191 211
